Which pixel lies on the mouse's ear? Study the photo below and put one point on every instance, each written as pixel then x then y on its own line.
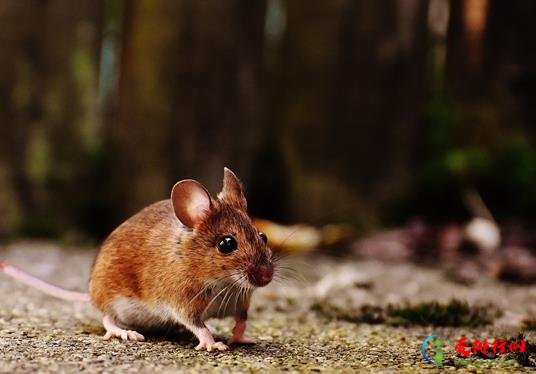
pixel 232 192
pixel 191 201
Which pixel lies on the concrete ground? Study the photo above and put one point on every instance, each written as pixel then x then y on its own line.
pixel 42 334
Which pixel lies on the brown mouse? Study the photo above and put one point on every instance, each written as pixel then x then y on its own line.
pixel 179 261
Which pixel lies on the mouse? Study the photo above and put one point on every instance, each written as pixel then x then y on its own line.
pixel 177 262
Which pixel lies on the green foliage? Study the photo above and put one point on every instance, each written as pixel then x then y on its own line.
pixel 441 115
pixel 463 146
pixel 448 151
pixel 38 157
pixel 516 160
pixel 510 183
pixel 467 162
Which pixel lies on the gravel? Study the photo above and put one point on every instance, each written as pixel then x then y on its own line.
pixel 39 333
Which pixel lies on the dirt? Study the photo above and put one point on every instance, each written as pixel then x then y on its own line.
pixel 40 333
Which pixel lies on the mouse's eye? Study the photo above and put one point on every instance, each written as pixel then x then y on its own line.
pixel 227 244
pixel 263 236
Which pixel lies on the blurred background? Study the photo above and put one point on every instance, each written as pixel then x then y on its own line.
pixel 368 113
pixel 389 144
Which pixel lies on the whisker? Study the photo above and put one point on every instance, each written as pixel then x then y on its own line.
pixel 241 291
pixel 296 276
pixel 227 294
pixel 279 282
pixel 226 300
pixel 240 296
pixel 288 278
pixel 293 261
pixel 214 298
pixel 289 271
pixel 207 286
pixel 233 294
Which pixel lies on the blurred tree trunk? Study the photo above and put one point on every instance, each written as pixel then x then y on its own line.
pixel 468 20
pixel 477 122
pixel 189 95
pixel 47 91
pixel 509 57
pixel 351 95
pixel 491 63
pixel 491 70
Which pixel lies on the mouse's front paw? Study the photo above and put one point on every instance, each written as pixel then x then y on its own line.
pixel 211 346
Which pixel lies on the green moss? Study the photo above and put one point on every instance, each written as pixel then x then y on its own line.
pixel 290 301
pixel 366 314
pixel 453 313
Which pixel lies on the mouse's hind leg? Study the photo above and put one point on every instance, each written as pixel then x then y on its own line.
pixel 114 331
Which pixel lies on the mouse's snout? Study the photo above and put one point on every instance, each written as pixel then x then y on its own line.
pixel 261 274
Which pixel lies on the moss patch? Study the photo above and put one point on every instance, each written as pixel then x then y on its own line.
pixel 454 313
pixel 366 314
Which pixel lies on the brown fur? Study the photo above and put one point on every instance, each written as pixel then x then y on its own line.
pixel 154 258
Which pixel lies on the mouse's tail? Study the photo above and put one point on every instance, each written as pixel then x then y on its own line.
pixel 41 285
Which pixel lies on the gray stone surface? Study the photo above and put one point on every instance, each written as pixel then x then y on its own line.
pixel 42 334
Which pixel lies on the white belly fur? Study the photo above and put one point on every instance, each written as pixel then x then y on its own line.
pixel 130 312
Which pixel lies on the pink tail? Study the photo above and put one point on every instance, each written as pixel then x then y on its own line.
pixel 47 288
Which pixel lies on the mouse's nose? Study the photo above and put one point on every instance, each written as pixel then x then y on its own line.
pixel 261 275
